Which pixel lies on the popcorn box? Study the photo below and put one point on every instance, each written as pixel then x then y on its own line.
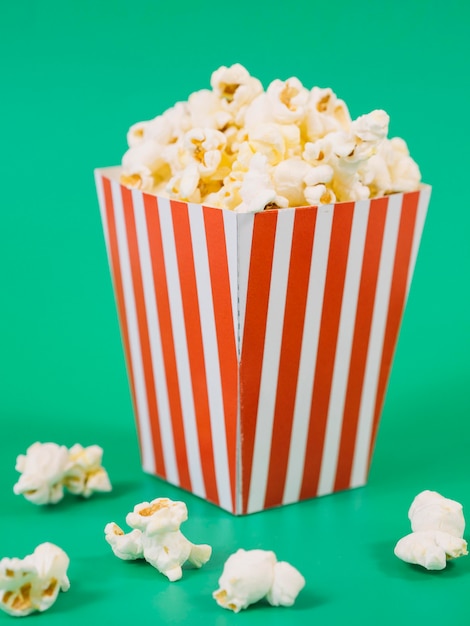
pixel 259 345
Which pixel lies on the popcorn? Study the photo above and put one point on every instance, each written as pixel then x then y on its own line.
pixel 287 100
pixel 438 525
pixel 236 89
pixel 156 537
pixel 431 511
pixel 47 468
pixel 201 150
pixel 33 583
pixel 204 148
pixel 250 575
pixel 325 114
pixel 84 473
pixel 430 548
pixel 42 470
pixel 205 110
pixel 144 166
pixel 257 190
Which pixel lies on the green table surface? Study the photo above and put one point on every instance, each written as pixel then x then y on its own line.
pixel 74 76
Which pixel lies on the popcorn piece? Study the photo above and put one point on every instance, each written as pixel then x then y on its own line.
pixel 185 185
pixel 163 129
pixel 325 114
pixel 404 172
pixel 42 470
pixel 33 583
pixel 84 474
pixel 48 468
pixel 275 141
pixel 250 575
pixel 371 128
pixel 204 148
pixel 430 548
pixel 156 537
pixel 257 190
pixel 431 511
pixel 205 110
pixel 288 100
pixel 144 166
pixel 236 89
pixel 438 525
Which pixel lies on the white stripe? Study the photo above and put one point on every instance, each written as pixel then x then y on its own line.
pixel 271 355
pixel 424 196
pixel 343 348
pixel 211 355
pixel 148 459
pixel 231 245
pixel 376 341
pixel 102 205
pixel 166 429
pixel 181 349
pixel 245 236
pixel 308 356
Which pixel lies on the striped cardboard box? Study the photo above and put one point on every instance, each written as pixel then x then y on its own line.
pixel 259 346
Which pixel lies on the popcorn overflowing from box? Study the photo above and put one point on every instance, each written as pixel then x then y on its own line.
pixel 242 148
pixel 262 245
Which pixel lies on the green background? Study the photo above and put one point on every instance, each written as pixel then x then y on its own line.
pixel 74 76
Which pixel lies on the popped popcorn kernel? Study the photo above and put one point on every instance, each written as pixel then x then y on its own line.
pixel 156 537
pixel 33 583
pixel 42 469
pixel 47 470
pixel 437 525
pixel 201 150
pixel 432 511
pixel 250 575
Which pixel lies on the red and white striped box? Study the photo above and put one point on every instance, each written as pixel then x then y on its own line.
pixel 259 345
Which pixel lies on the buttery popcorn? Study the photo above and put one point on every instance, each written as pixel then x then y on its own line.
pixel 250 575
pixel 156 537
pixel 438 525
pixel 33 583
pixel 47 469
pixel 242 148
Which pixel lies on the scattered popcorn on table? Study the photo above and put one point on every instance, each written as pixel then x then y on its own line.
pixel 250 575
pixel 33 583
pixel 47 469
pixel 244 149
pixel 156 537
pixel 438 525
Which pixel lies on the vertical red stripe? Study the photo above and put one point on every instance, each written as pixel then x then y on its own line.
pixel 225 330
pixel 361 337
pixel 167 338
pixel 143 329
pixel 397 301
pixel 257 298
pixel 291 345
pixel 192 320
pixel 333 295
pixel 118 289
